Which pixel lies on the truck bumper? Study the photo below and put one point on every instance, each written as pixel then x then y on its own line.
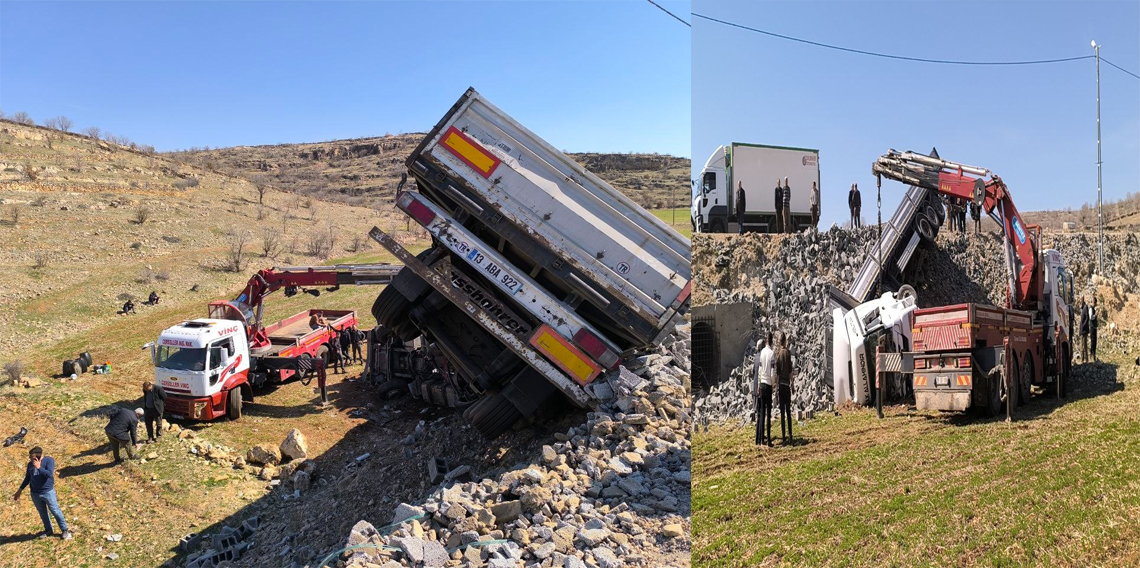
pixel 204 408
pixel 942 399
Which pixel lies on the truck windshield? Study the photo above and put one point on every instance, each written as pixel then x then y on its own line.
pixel 181 358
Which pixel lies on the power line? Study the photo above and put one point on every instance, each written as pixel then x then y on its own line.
pixel 662 8
pixel 890 56
pixel 1119 67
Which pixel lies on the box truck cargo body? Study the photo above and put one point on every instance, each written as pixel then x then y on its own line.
pixel 756 167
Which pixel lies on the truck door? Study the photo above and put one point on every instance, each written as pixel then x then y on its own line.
pixel 220 359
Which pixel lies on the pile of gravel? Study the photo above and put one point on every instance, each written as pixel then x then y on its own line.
pixel 793 300
pixel 613 491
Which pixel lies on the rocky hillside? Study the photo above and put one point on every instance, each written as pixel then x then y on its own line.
pixel 86 224
pixel 365 171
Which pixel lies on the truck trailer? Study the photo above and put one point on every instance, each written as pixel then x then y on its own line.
pixel 756 167
pixel 540 276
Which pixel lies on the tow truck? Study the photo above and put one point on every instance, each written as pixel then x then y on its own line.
pixel 209 366
pixel 977 356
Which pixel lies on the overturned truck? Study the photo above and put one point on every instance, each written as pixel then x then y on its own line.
pixel 540 276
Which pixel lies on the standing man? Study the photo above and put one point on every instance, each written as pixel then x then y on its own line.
pixel 856 202
pixel 784 375
pixel 154 405
pixel 779 207
pixel 740 206
pixel 357 338
pixel 40 481
pixel 787 207
pixel 815 205
pixel 763 373
pixel 1092 329
pixel 1084 332
pixel 336 357
pixel 122 431
pixel 346 344
pixel 976 215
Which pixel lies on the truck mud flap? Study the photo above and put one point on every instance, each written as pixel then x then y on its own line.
pixel 442 284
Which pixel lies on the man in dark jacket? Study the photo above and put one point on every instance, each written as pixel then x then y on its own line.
pixel 787 207
pixel 357 337
pixel 976 215
pixel 336 356
pixel 122 431
pixel 154 405
pixel 740 206
pixel 345 339
pixel 779 207
pixel 39 478
pixel 855 203
pixel 784 379
pixel 1084 332
pixel 1092 329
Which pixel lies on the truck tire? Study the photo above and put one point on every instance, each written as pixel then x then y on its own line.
pixel 907 291
pixel 1067 374
pixel 86 356
pixel 1012 390
pixel 492 415
pixel 1024 390
pixel 233 404
pixel 993 394
pixel 925 228
pixel 82 365
pixel 392 388
pixel 391 308
pixel 70 368
pixel 717 226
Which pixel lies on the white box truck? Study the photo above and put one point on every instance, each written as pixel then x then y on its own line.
pixel 756 167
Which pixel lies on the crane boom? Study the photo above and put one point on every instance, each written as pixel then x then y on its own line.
pixel 993 196
pixel 248 304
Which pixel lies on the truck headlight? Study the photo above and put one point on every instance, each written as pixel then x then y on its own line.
pixel 198 407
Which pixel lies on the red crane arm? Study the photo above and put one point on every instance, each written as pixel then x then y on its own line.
pixel 248 304
pixel 992 196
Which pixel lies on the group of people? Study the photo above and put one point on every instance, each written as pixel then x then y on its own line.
pixel 129 305
pixel 956 214
pixel 122 433
pixel 345 345
pixel 1088 328
pixel 772 368
pixel 855 204
pixel 783 205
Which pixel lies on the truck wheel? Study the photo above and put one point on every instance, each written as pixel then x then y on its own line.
pixel 233 404
pixel 717 226
pixel 1024 390
pixel 86 356
pixel 993 394
pixel 925 228
pixel 1067 374
pixel 492 415
pixel 391 308
pixel 392 389
pixel 1012 390
pixel 907 291
pixel 69 368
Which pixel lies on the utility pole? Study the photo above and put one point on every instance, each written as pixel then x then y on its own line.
pixel 1099 192
pixel 879 292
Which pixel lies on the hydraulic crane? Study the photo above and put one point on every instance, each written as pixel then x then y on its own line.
pixel 993 196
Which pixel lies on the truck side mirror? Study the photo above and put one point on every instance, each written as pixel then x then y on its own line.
pixel 153 352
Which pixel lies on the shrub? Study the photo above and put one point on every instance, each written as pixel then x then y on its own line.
pixel 186 183
pixel 41 261
pixel 235 258
pixel 31 172
pixel 136 245
pixel 14 370
pixel 142 214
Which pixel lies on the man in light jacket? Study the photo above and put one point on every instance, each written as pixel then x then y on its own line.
pixel 763 379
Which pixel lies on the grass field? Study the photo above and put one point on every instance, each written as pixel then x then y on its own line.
pixel 1057 486
pixel 678 218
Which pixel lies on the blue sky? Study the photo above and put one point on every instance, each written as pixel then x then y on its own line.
pixel 1035 126
pixel 586 76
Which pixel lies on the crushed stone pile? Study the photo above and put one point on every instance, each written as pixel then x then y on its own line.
pixel 613 491
pixel 785 280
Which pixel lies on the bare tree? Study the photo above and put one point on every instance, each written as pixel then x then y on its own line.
pixel 61 123
pixel 261 184
pixel 270 242
pixel 22 117
pixel 142 214
pixel 236 256
pixel 91 132
pixel 41 261
pixel 16 210
pixel 286 214
pixel 14 370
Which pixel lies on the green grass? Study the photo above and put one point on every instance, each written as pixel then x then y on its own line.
pixel 678 218
pixel 1057 486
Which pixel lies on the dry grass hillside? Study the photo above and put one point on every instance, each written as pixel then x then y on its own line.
pixel 365 171
pixel 86 223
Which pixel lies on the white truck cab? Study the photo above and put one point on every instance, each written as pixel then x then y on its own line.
pixel 198 363
pixel 709 199
pixel 851 353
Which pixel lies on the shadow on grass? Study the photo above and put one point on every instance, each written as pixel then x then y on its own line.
pixel 1088 381
pixel 15 538
pixel 90 467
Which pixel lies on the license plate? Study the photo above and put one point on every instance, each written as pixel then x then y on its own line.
pixel 494 271
pixel 941 381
